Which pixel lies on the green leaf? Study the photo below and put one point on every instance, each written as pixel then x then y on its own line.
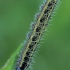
pixel 11 61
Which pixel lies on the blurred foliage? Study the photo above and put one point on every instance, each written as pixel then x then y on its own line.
pixel 15 19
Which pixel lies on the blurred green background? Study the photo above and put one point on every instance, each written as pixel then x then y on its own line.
pixel 15 19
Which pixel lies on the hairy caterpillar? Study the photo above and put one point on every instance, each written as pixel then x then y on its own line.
pixel 35 35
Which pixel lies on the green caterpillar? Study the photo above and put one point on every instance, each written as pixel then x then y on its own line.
pixel 38 28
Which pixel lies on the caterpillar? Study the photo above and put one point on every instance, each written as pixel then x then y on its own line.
pixel 35 35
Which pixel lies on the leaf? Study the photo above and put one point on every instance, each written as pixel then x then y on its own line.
pixel 10 63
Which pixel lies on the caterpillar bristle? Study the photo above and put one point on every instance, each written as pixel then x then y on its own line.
pixel 37 16
pixel 33 25
pixel 41 7
pixel 29 35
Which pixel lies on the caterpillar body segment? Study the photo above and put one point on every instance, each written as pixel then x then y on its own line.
pixel 35 35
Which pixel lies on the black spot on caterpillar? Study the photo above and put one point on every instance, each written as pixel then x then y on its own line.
pixel 35 35
pixel 24 64
pixel 42 19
